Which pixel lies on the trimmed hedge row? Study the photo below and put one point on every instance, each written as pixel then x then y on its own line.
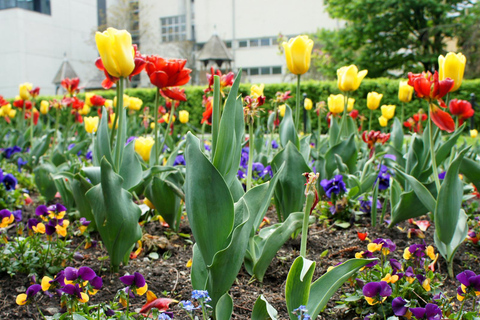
pixel 317 91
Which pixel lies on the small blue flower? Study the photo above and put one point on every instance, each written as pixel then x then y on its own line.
pixel 441 176
pixel 207 147
pixel 164 316
pixel 274 144
pixel 267 170
pixel 179 160
pixel 20 164
pixel 70 146
pixel 187 306
pixel 201 294
pixel 130 139
pixel 383 178
pixel 7 153
pixel 241 174
pixel 336 186
pixel 89 155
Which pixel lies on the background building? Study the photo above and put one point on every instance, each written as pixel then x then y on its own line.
pixel 38 35
pixel 249 28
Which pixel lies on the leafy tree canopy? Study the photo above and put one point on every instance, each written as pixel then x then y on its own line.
pixel 391 37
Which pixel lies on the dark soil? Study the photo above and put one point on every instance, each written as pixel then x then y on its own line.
pixel 169 275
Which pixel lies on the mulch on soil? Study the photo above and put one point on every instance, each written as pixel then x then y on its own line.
pixel 169 275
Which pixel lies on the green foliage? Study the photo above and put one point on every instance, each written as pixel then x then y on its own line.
pixel 389 36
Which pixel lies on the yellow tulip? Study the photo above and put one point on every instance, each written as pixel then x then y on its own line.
pixel 108 103
pixel 373 100
pixel 388 111
pixel 24 90
pixel 126 101
pixel 12 113
pixel 183 116
pixel 91 124
pixel 298 53
pixel 143 146
pixel 44 106
pixel 383 121
pixel 281 110
pixel 452 66
pixel 405 92
pixel 152 125
pixel 256 91
pixel 85 110
pixel 166 117
pixel 116 50
pixel 336 103
pixel 350 104
pixel 2 114
pixel 88 96
pixel 149 203
pixel 134 103
pixel 473 133
pixel 349 78
pixel 6 109
pixel 112 118
pixel 308 104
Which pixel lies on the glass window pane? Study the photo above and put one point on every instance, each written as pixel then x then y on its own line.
pixel 254 71
pixel 243 44
pixel 265 70
pixel 276 70
pixel 265 42
pixel 254 43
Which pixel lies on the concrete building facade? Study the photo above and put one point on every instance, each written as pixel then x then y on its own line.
pixel 36 37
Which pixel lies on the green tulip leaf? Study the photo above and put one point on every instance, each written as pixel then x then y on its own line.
pixel 461 230
pixel 262 310
pixel 471 169
pixel 79 189
pixel 325 287
pixel 347 150
pixel 305 147
pixel 40 147
pixel 289 191
pixel 116 215
pixel 101 146
pixel 297 287
pixel 287 130
pixel 449 201
pixel 166 201
pixel 397 135
pixel 224 308
pixel 44 180
pixel 131 169
pixel 421 191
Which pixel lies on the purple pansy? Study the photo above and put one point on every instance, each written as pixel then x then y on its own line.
pixel 135 279
pixel 9 181
pixel 399 306
pixel 179 160
pixel 375 289
pixel 335 185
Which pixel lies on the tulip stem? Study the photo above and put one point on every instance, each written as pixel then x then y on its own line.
pixel 155 127
pixel 165 133
pixel 370 121
pixel 432 151
pixel 31 124
pixel 119 144
pixel 297 108
pixel 342 123
pixel 306 215
pixel 403 113
pixel 112 134
pixel 250 154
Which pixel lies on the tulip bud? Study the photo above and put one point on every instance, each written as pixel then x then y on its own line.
pixel 350 104
pixel 336 103
pixel 405 92
pixel 308 104
pixel 134 103
pixel 12 113
pixel 298 53
pixel 388 111
pixel 110 123
pixel 281 110
pixel 383 121
pixel 373 100
pixel 166 118
pixel 44 106
pixel 91 124
pixel 256 91
pixel 108 103
pixel 143 147
pixel 88 96
pixel 473 133
pixel 183 116
pixel 349 78
pixel 452 66
pixel 116 50
pixel 24 90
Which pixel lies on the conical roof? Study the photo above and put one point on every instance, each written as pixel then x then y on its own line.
pixel 215 50
pixel 65 71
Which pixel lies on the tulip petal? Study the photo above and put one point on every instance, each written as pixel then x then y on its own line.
pixel 175 93
pixel 442 119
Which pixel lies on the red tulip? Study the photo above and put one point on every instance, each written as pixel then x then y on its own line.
pixel 207 114
pixel 20 104
pixel 71 85
pixel 168 73
pixel 158 303
pixel 35 92
pixel 428 87
pixel 462 109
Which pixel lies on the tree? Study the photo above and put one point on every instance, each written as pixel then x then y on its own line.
pixel 389 37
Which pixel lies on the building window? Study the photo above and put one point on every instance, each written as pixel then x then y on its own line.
pixel 265 42
pixel 243 43
pixel 257 42
pixel 41 6
pixel 173 28
pixel 255 71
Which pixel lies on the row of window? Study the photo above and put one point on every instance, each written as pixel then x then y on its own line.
pixel 260 42
pixel 173 28
pixel 255 71
pixel 41 6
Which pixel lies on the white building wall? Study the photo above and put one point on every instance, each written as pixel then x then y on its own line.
pixel 244 19
pixel 34 44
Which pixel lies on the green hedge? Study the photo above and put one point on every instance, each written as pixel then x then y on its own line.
pixel 317 91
